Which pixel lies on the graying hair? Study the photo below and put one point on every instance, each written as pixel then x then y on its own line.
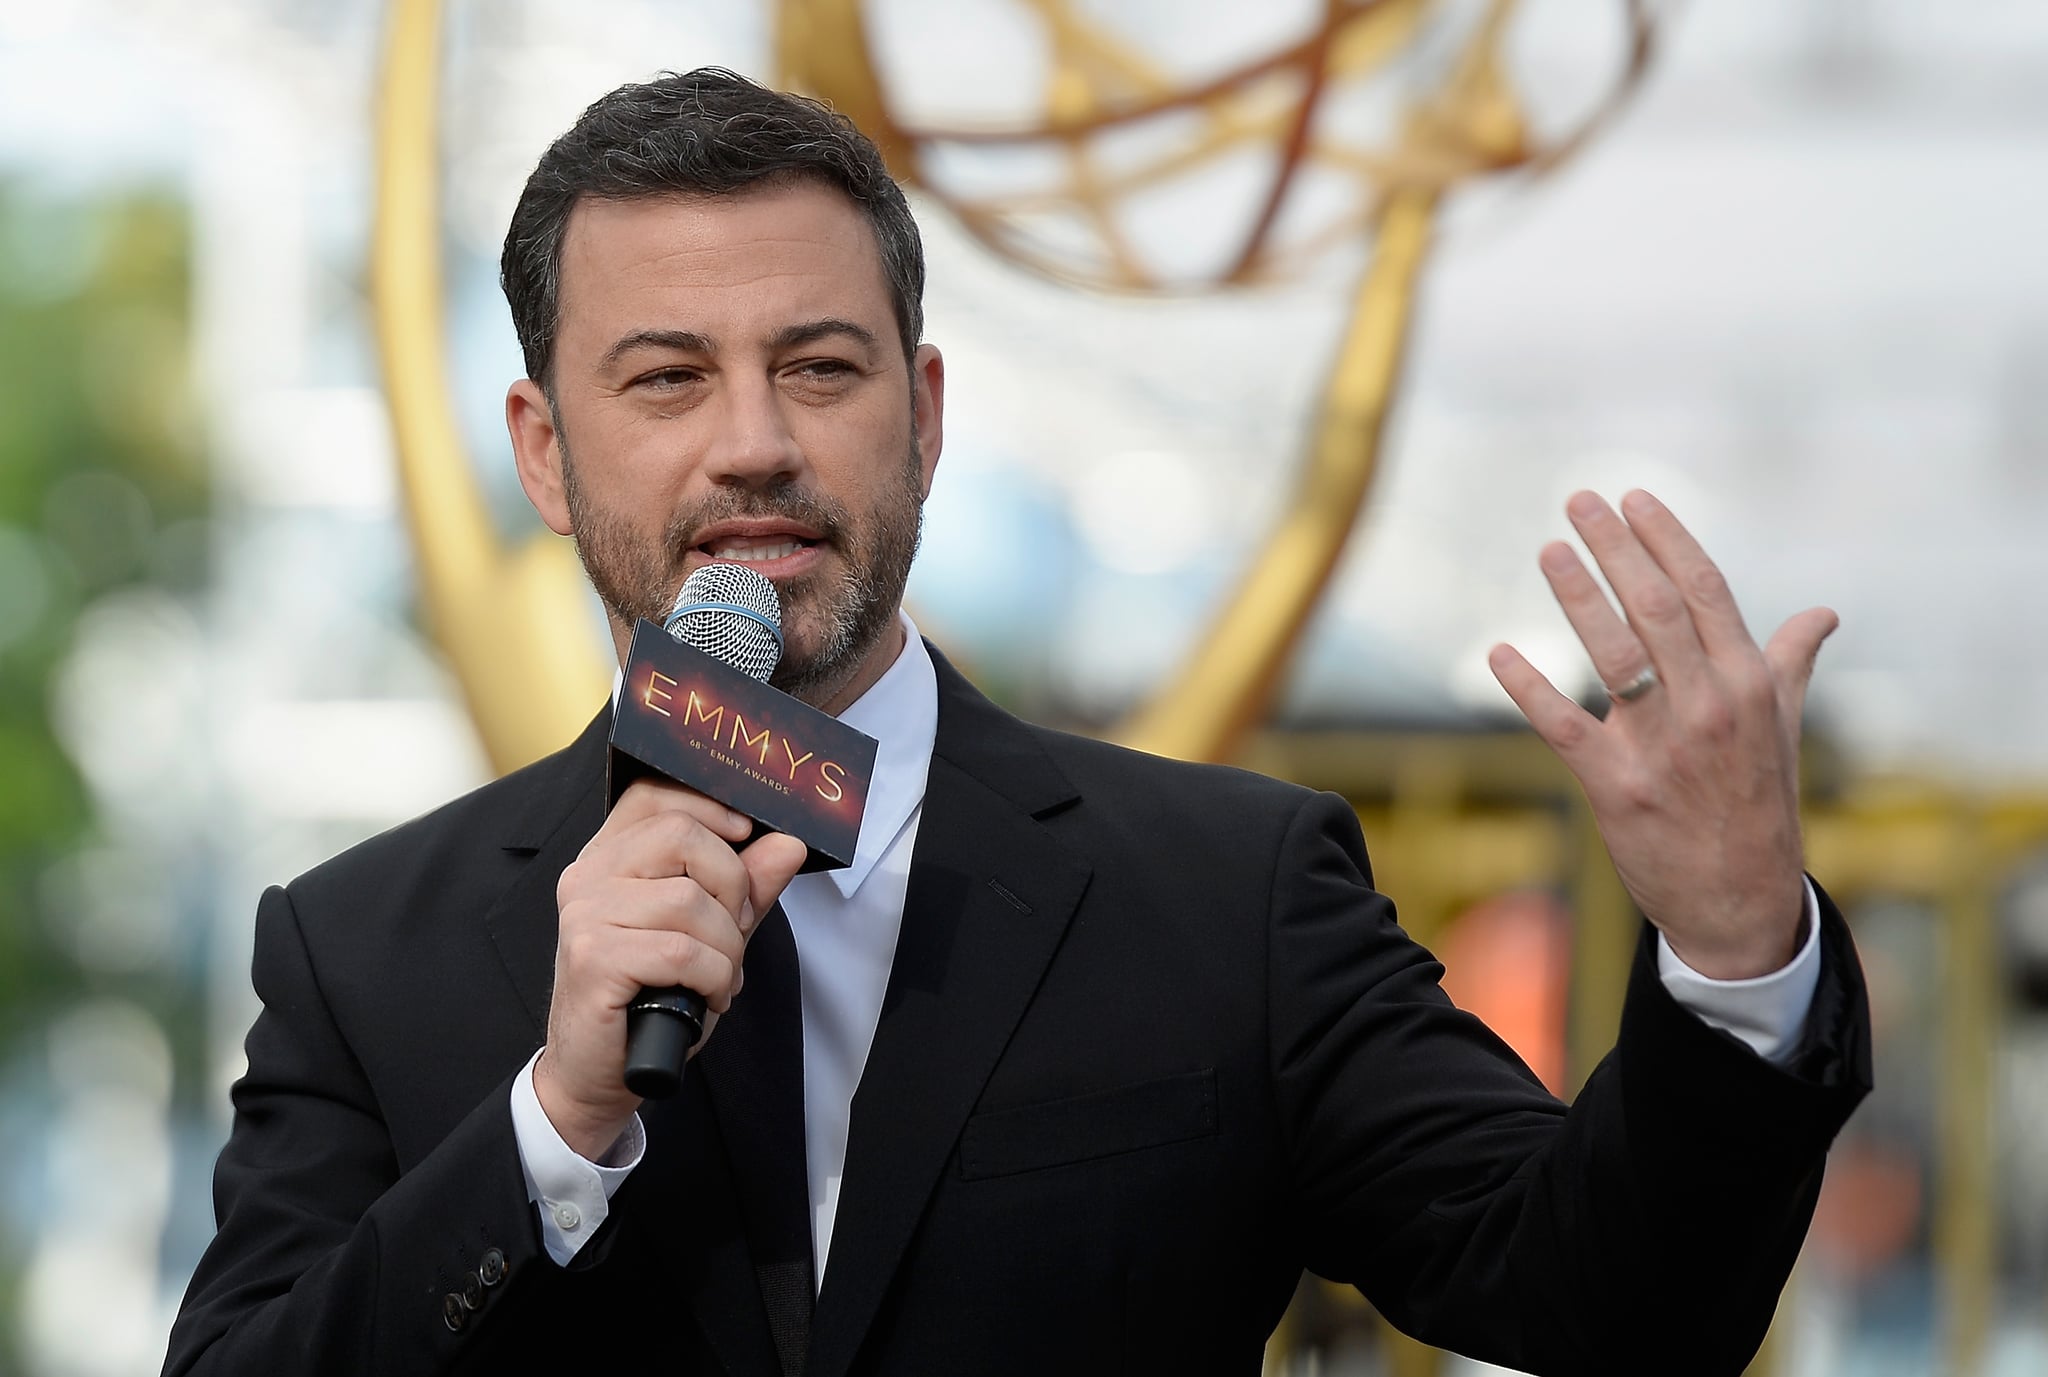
pixel 709 132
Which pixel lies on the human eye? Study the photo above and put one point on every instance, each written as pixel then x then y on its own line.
pixel 668 379
pixel 824 378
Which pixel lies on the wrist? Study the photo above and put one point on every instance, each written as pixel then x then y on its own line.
pixel 587 1133
pixel 1772 951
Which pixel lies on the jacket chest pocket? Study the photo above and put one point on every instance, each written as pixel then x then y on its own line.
pixel 1102 1123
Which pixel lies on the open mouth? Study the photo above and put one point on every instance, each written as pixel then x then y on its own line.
pixel 775 547
pixel 753 551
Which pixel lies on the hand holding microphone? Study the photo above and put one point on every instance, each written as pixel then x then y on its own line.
pixel 656 911
pixel 734 615
pixel 660 898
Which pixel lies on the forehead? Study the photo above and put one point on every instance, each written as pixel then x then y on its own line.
pixel 724 266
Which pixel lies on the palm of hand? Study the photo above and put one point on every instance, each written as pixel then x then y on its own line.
pixel 1692 779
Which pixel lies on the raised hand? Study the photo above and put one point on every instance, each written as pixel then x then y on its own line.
pixel 1693 776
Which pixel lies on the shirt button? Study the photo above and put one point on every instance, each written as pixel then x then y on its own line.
pixel 473 1292
pixel 568 1218
pixel 491 1270
pixel 452 1313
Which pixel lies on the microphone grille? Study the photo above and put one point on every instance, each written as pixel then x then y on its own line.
pixel 732 614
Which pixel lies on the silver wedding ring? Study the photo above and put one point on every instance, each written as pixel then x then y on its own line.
pixel 1634 688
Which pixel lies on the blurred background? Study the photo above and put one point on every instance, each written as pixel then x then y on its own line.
pixel 1791 279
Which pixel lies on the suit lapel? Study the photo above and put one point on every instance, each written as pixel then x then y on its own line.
pixel 989 900
pixel 522 923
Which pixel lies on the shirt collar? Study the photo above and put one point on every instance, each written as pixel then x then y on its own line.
pixel 900 711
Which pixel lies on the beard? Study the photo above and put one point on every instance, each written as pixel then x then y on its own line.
pixel 832 616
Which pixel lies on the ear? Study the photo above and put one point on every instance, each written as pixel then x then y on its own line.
pixel 928 400
pixel 537 452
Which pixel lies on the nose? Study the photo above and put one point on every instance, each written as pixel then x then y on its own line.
pixel 754 446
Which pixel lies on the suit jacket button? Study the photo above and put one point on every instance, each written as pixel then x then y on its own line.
pixel 473 1292
pixel 452 1312
pixel 492 1269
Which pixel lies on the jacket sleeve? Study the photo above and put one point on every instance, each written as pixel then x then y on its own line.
pixel 1649 1227
pixel 328 1260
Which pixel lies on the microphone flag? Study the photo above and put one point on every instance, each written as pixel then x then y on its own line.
pixel 793 769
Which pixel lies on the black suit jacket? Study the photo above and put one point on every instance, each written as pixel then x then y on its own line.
pixel 1151 1044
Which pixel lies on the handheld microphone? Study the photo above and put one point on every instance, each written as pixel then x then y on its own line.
pixel 695 707
pixel 732 614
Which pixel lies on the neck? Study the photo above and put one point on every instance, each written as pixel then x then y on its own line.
pixel 871 667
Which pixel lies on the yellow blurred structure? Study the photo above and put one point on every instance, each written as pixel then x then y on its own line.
pixel 528 680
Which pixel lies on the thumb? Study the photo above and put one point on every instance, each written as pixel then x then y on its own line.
pixel 1792 651
pixel 772 861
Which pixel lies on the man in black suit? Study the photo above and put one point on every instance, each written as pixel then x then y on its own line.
pixel 1088 1053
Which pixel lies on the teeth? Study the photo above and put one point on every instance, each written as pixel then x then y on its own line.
pixel 757 553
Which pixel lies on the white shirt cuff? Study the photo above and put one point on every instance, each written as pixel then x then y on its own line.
pixel 572 1192
pixel 1767 1012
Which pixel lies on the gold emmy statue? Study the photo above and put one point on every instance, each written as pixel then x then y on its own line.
pixel 532 676
pixel 528 680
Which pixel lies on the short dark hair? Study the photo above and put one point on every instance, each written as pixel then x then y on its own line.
pixel 709 132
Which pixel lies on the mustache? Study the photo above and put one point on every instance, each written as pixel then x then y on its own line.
pixel 828 518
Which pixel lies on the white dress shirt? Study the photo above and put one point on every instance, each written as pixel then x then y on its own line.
pixel 845 923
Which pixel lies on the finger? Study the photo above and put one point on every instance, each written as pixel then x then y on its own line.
pixel 675 904
pixel 1715 617
pixel 1617 655
pixel 657 958
pixel 1565 727
pixel 772 862
pixel 658 844
pixel 1653 605
pixel 677 843
pixel 651 794
pixel 1792 651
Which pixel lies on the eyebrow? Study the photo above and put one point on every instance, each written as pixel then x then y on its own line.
pixel 789 337
pixel 811 331
pixel 686 341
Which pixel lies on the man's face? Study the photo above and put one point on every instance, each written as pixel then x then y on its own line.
pixel 728 384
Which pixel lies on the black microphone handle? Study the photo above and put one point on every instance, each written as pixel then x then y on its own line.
pixel 661 1028
pixel 663 1025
